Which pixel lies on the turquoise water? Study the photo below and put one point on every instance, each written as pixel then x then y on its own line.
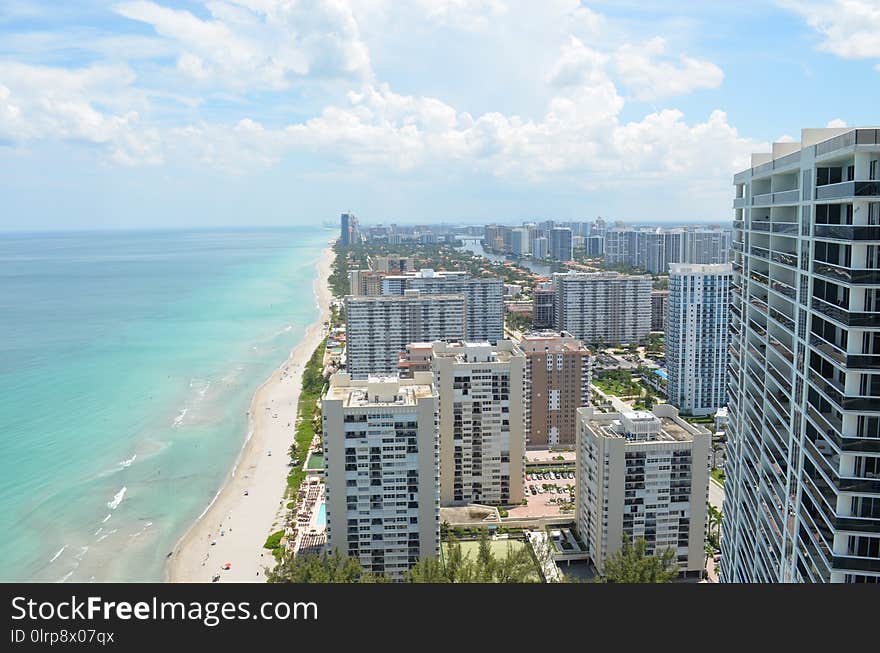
pixel 322 515
pixel 127 364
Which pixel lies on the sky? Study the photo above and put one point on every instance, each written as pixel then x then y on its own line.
pixel 189 113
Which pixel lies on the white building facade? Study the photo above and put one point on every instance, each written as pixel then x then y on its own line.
pixel 381 447
pixel 697 337
pixel 643 475
pixel 378 329
pixel 802 495
pixel 482 423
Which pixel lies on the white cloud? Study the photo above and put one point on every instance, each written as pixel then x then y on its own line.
pixel 260 44
pixel 837 122
pixel 646 70
pixel 468 15
pixel 851 28
pixel 92 105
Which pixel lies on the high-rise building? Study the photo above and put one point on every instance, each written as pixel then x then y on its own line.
pixel 482 425
pixel 378 329
pixel 393 264
pixel 542 306
pixel 484 297
pixel 381 471
pixel 802 489
pixel 558 376
pixel 540 248
pixel 659 309
pixel 365 282
pixel 560 244
pixel 643 475
pixel 706 246
pixel 520 242
pixel 603 306
pixel 348 230
pixel 594 246
pixel 697 337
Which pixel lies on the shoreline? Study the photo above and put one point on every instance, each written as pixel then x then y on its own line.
pixel 239 523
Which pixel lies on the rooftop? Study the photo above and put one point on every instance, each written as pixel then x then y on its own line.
pixel 380 390
pixel 642 426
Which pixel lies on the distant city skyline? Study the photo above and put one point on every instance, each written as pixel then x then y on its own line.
pixel 184 113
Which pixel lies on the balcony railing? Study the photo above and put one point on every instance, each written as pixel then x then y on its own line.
pixel 846 275
pixel 787 196
pixel 845 317
pixel 848 189
pixel 847 232
pixel 784 228
pixel 764 199
pixel 785 259
pixel 854 137
pixel 760 225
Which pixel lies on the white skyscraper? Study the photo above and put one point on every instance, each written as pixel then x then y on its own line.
pixel 381 470
pixel 603 306
pixel 482 423
pixel 802 494
pixel 378 329
pixel 642 474
pixel 697 336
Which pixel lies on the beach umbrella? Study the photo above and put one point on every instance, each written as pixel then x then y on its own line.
pixel 227 566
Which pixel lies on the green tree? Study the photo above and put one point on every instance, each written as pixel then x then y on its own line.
pixel 631 564
pixel 321 568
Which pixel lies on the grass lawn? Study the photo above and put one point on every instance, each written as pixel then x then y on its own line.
pixel 718 475
pixel 470 549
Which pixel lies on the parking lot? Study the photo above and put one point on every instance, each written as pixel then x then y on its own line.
pixel 549 494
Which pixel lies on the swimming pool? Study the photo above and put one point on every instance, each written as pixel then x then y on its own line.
pixel 661 373
pixel 322 515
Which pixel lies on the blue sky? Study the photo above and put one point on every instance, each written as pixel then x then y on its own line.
pixel 161 113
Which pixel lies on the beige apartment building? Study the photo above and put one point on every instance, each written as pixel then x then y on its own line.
pixel 482 422
pixel 381 470
pixel 558 376
pixel 643 474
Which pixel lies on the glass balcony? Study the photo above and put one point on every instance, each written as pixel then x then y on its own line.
pixel 841 274
pixel 785 259
pixel 844 316
pixel 848 189
pixel 847 232
pixel 784 228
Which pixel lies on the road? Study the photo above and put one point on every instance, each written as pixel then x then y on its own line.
pixel 716 493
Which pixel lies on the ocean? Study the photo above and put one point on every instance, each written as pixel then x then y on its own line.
pixel 127 364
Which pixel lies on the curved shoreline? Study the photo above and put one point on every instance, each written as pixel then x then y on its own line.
pixel 239 524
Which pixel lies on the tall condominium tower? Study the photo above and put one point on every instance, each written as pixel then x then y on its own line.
pixel 802 496
pixel 642 474
pixel 484 297
pixel 558 376
pixel 348 230
pixel 561 244
pixel 378 329
pixel 381 471
pixel 659 309
pixel 706 246
pixel 542 306
pixel 603 306
pixel 482 424
pixel 697 337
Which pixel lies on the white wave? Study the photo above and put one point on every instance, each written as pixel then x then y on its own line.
pixel 82 553
pixel 64 578
pixel 128 461
pixel 109 515
pixel 117 499
pixel 180 416
pixel 143 530
pixel 106 535
pixel 58 553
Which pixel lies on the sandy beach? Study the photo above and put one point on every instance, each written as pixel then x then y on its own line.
pixel 239 523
